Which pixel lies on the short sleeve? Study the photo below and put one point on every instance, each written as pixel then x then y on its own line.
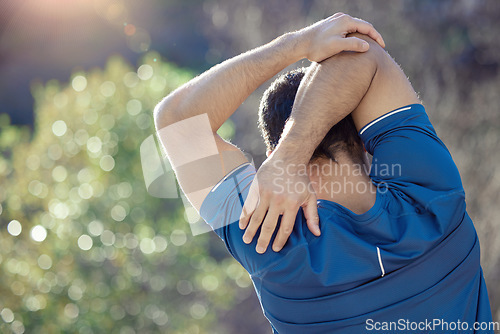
pixel 221 209
pixel 409 156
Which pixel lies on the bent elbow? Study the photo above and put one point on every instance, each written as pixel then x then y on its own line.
pixel 164 113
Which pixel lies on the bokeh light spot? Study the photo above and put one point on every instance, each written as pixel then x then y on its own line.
pixel 17 288
pixel 33 162
pixel 108 238
pixel 161 318
pixel 145 72
pixel 55 152
pixel 134 107
pixel 85 242
pixel 130 79
pixel 158 83
pixel 124 190
pixel 134 269
pixel 38 233
pixel 14 228
pixel 198 311
pixel 59 128
pixel 17 327
pixel 75 292
pixel 79 83
pixel 210 283
pixel 85 191
pixel 94 144
pixel 107 163
pixel 44 261
pixel 118 213
pixel 108 88
pixel 184 287
pixel 81 136
pixel 160 244
pixel 219 18
pixel 7 315
pixel 71 311
pixel 38 189
pixel 129 29
pixel 59 173
pixel 157 283
pixel 178 237
pixel 147 246
pixel 60 100
pixel 95 228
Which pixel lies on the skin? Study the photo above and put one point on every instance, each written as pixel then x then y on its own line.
pixel 367 85
pixel 188 118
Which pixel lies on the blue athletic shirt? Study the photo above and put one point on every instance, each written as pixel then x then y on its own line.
pixel 411 260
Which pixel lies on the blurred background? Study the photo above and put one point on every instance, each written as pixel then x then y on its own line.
pixel 85 249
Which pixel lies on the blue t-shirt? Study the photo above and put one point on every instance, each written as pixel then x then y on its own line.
pixel 409 263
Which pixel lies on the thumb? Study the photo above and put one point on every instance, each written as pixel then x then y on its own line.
pixel 353 44
pixel 311 213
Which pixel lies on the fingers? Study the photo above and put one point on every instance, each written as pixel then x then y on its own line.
pixel 353 44
pixel 353 24
pixel 250 204
pixel 286 228
pixel 267 230
pixel 311 214
pixel 366 28
pixel 256 219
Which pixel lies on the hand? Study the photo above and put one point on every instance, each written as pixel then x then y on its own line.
pixel 279 188
pixel 328 37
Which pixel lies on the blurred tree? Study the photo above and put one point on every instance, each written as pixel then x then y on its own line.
pixel 85 249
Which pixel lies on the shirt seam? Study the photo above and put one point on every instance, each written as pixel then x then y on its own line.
pixel 459 191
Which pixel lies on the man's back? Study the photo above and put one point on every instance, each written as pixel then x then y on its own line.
pixel 413 256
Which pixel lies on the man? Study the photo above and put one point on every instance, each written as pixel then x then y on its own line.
pixel 392 250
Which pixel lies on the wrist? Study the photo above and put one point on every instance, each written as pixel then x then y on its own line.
pixel 296 45
pixel 291 153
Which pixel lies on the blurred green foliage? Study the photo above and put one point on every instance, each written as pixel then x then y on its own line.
pixel 84 248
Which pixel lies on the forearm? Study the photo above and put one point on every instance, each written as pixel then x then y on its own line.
pixel 329 92
pixel 220 91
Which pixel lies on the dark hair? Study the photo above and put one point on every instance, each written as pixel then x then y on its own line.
pixel 275 109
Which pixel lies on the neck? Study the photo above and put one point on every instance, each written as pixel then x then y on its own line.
pixel 343 182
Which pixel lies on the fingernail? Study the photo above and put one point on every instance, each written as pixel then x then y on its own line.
pixel 276 249
pixel 365 46
pixel 246 240
pixel 260 249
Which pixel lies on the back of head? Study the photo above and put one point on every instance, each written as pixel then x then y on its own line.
pixel 275 109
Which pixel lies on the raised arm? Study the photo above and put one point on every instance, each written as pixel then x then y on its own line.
pixel 188 118
pixel 365 84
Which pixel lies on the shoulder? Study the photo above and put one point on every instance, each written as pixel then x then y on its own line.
pixel 389 89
